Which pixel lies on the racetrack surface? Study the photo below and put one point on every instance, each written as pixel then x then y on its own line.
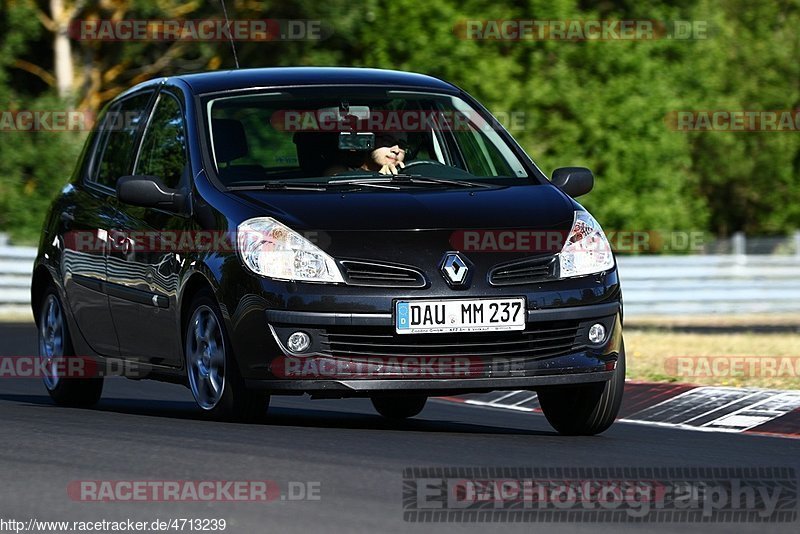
pixel 151 431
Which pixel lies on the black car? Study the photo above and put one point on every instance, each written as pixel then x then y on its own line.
pixel 327 231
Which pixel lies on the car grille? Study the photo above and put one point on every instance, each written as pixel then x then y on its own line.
pixel 523 272
pixel 540 341
pixel 363 273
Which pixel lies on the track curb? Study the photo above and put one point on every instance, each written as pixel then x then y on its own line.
pixel 765 412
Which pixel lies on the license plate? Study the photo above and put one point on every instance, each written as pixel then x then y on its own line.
pixel 473 315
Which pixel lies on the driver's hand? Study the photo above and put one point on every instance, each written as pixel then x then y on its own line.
pixel 391 168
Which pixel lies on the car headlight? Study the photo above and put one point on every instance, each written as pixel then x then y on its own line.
pixel 268 248
pixel 586 250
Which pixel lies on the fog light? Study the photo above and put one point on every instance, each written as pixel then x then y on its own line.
pixel 597 333
pixel 298 342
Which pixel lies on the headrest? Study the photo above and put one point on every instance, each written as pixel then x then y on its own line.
pixel 230 142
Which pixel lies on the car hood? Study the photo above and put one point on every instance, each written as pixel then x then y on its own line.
pixel 532 207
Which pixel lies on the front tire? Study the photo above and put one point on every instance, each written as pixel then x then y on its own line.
pixel 399 407
pixel 213 375
pixel 587 409
pixel 55 351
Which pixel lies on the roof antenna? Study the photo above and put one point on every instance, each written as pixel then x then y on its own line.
pixel 230 35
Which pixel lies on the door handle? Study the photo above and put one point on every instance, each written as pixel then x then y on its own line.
pixel 121 242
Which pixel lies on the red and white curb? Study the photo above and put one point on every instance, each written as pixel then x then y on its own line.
pixel 699 408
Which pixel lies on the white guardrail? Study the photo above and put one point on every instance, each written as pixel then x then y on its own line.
pixel 651 285
pixel 16 265
pixel 700 285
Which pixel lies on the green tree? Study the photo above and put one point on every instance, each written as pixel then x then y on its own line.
pixel 601 104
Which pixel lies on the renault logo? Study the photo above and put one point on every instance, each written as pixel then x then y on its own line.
pixel 455 269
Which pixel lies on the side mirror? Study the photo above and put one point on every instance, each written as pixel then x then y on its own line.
pixel 148 192
pixel 574 181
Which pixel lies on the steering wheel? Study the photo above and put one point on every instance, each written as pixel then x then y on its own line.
pixel 422 162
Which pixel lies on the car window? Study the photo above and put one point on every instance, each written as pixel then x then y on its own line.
pixel 120 126
pixel 163 152
pixel 84 165
pixel 479 158
pixel 298 134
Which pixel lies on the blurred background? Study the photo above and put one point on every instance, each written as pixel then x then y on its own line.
pixel 604 104
pixel 601 104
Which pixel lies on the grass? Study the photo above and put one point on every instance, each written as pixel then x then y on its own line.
pixel 740 359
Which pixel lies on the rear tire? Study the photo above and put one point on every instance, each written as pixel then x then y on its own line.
pixel 586 409
pixel 55 349
pixel 213 375
pixel 399 407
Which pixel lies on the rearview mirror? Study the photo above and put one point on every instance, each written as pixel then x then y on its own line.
pixel 148 192
pixel 574 181
pixel 358 141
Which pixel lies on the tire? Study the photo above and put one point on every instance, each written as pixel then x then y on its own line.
pixel 399 407
pixel 55 348
pixel 212 373
pixel 587 409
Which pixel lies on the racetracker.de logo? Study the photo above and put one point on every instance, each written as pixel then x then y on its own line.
pixel 401 367
pixel 259 30
pixel 192 491
pixel 387 120
pixel 732 366
pixel 580 30
pixel 733 120
pixel 69 367
pixel 552 241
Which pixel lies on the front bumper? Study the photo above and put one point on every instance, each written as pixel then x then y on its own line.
pixel 358 354
pixel 431 388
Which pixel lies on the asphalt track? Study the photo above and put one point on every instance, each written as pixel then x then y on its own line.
pixel 151 431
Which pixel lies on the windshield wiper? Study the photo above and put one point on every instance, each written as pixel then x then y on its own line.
pixel 395 181
pixel 378 183
pixel 402 179
pixel 278 186
pixel 418 179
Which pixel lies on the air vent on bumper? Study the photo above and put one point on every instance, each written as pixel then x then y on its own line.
pixel 540 340
pixel 364 273
pixel 527 271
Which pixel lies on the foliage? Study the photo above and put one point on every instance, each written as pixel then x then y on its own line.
pixel 601 104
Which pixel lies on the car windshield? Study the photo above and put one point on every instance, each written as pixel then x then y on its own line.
pixel 341 135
